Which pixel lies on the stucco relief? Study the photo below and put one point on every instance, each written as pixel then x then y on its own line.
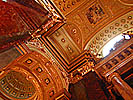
pixel 37 45
pixel 34 74
pixel 17 86
pixel 120 25
pixel 75 33
pixel 67 6
pixel 88 17
pixel 95 13
pixel 65 45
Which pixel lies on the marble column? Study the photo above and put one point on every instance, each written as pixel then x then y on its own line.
pixel 122 87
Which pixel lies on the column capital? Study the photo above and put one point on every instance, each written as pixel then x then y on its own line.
pixel 122 87
pixel 112 75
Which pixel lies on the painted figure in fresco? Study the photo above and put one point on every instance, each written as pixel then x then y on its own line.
pixel 94 14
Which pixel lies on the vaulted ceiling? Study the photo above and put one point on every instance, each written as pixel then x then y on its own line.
pixel 72 43
pixel 90 24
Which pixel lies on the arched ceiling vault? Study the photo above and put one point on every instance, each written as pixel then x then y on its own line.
pixel 31 77
pixel 90 24
pixel 120 25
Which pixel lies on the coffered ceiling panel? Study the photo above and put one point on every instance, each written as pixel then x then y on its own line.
pixel 62 41
pixel 31 77
pixel 74 32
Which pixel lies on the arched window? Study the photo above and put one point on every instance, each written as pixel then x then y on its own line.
pixel 114 43
pixel 4 0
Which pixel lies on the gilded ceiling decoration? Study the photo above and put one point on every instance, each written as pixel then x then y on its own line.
pixel 75 33
pixel 118 26
pixel 17 86
pixel 88 24
pixel 31 76
pixel 63 38
pixel 66 6
pixel 38 46
pixel 64 44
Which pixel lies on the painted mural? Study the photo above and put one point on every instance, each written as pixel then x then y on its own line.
pixel 95 13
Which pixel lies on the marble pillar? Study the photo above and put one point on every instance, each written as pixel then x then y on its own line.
pixel 122 87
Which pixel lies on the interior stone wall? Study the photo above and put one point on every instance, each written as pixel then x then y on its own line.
pixel 8 56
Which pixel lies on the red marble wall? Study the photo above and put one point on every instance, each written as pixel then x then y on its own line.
pixel 17 19
pixel 89 88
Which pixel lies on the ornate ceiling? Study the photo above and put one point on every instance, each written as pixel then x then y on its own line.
pixel 18 85
pixel 32 77
pixel 90 24
pixel 120 25
pixel 64 42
